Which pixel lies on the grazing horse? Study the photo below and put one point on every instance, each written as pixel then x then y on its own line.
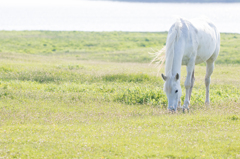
pixel 189 42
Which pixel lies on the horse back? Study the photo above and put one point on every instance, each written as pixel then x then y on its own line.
pixel 204 40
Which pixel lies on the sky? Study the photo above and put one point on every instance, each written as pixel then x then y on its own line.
pixel 87 15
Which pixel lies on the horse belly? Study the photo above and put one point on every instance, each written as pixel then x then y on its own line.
pixel 205 50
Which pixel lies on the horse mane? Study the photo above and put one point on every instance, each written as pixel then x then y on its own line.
pixel 173 35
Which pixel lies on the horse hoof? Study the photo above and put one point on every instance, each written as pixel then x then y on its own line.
pixel 172 111
pixel 185 109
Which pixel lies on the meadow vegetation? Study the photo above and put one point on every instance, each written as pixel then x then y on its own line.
pixel 94 95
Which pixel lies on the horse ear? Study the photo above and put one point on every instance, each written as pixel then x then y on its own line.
pixel 177 77
pixel 164 77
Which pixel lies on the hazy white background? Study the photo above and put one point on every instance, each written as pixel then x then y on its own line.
pixel 83 15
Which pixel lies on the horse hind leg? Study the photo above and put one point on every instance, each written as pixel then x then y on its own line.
pixel 209 71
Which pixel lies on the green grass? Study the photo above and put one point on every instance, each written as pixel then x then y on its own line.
pixel 102 46
pixel 106 46
pixel 79 104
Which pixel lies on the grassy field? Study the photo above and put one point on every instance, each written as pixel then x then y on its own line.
pixel 94 95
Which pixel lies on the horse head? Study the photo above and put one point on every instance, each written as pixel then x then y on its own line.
pixel 173 91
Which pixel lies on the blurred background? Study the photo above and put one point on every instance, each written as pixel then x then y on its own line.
pixel 115 15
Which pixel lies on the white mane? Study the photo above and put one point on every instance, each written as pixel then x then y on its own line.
pixel 173 35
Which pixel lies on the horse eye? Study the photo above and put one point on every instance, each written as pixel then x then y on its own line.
pixel 176 91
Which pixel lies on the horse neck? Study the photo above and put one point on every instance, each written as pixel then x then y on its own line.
pixel 176 61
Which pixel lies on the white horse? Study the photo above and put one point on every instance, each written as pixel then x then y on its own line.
pixel 189 42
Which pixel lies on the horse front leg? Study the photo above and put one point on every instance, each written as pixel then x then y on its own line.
pixel 189 84
pixel 192 83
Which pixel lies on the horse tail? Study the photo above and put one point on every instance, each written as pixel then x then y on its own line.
pixel 166 54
